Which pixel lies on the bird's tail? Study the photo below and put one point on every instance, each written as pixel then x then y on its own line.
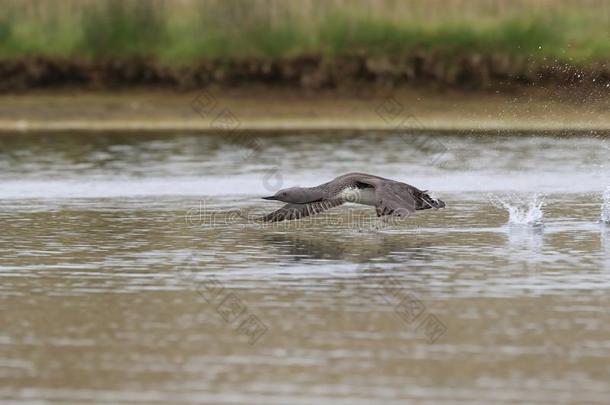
pixel 426 202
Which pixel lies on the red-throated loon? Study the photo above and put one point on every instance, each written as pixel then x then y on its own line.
pixel 389 197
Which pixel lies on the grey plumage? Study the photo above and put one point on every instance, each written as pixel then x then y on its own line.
pixel 388 196
pixel 298 211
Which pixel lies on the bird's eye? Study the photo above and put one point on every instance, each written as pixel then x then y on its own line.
pixel 284 194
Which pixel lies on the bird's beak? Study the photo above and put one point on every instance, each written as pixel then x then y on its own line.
pixel 271 197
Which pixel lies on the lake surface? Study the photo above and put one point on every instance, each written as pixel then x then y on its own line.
pixel 128 273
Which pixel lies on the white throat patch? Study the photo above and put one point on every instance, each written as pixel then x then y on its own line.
pixel 356 195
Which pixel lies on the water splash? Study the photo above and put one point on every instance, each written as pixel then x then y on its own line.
pixel 605 216
pixel 522 212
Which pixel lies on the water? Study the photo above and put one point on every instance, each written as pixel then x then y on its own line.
pixel 129 275
pixel 605 216
pixel 527 214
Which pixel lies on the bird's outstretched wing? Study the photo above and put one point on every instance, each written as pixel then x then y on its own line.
pixel 297 211
pixel 394 198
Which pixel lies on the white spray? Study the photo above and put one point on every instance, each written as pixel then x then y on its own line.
pixel 522 213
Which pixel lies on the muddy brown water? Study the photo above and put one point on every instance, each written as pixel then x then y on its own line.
pixel 128 274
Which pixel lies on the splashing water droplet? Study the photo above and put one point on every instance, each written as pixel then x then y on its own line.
pixel 522 213
pixel 605 217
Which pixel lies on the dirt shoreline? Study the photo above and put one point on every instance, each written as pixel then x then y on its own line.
pixel 263 108
pixel 461 70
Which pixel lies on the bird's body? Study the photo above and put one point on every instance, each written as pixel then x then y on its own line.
pixel 364 196
pixel 389 197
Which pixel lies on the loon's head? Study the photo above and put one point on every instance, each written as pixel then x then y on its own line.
pixel 294 195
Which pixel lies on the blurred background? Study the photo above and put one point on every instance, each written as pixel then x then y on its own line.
pixel 135 135
pixel 313 43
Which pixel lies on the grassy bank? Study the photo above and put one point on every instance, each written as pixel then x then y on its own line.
pixel 183 31
pixel 310 43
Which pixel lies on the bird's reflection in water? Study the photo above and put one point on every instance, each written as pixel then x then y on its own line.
pixel 354 247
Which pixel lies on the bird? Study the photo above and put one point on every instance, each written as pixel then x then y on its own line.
pixel 389 197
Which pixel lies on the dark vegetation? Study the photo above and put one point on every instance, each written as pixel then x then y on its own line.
pixel 309 43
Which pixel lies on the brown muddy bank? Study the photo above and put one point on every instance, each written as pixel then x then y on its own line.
pixel 473 71
pixel 253 109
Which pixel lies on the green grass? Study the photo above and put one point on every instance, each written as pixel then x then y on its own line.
pixel 118 27
pixel 238 28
